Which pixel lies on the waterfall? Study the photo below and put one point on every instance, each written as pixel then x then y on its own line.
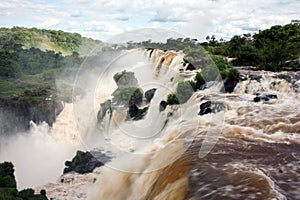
pixel 159 141
pixel 245 149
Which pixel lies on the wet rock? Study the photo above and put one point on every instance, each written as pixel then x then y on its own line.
pixel 104 108
pixel 149 94
pixel 84 162
pixel 136 113
pixel 212 107
pixel 264 97
pixel 125 79
pixel 190 67
pixel 205 108
pixel 229 85
pixel 255 77
pixel 162 106
pixel 15 115
pixel 286 77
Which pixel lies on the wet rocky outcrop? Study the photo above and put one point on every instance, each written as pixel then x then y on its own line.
pixel 86 162
pixel 15 115
pixel 128 95
pixel 190 67
pixel 229 85
pixel 136 113
pixel 212 107
pixel 149 94
pixel 264 97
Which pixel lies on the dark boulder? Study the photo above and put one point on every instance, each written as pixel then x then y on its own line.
pixel 127 95
pixel 149 94
pixel 84 162
pixel 162 106
pixel 212 107
pixel 205 108
pixel 286 77
pixel 264 97
pixel 135 113
pixel 255 77
pixel 271 96
pixel 229 85
pixel 125 79
pixel 190 67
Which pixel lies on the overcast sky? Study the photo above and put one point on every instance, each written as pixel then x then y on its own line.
pixel 102 19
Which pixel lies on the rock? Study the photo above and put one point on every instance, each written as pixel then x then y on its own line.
pixel 257 99
pixel 15 115
pixel 162 106
pixel 135 113
pixel 212 107
pixel 264 97
pixel 149 94
pixel 255 77
pixel 205 108
pixel 84 162
pixel 104 108
pixel 286 77
pixel 127 95
pixel 125 79
pixel 271 96
pixel 229 85
pixel 190 67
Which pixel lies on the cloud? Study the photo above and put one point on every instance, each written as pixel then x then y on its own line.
pixel 100 29
pixel 48 23
pixel 76 13
pixel 100 18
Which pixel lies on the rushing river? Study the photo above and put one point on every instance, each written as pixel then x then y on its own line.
pixel 246 150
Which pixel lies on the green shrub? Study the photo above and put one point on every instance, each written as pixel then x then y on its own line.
pixel 233 74
pixel 172 99
pixel 199 81
pixel 7 179
pixel 9 194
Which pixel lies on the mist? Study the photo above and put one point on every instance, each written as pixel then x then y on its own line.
pixel 38 157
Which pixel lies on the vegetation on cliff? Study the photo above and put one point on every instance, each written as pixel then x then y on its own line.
pixel 8 186
pixel 58 41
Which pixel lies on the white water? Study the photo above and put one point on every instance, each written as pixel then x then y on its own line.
pixel 144 152
pixel 38 155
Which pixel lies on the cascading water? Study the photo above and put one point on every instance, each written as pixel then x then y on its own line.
pixel 240 165
pixel 247 150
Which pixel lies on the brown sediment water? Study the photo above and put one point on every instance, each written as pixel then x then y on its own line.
pixel 249 150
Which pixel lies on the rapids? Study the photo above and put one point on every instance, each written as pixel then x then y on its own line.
pixel 250 150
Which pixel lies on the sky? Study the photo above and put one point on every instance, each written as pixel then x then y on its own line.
pixel 102 19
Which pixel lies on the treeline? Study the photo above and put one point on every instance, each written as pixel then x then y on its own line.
pixel 274 49
pixel 30 74
pixel 16 61
pixel 45 39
